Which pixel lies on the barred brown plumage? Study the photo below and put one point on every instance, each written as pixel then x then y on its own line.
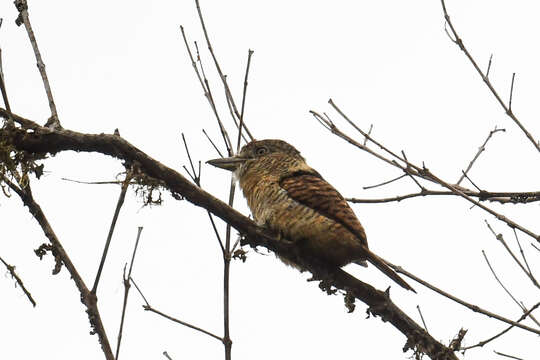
pixel 289 197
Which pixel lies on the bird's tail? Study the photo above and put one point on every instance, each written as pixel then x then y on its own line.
pixel 382 266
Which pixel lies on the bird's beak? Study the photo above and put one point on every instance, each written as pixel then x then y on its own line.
pixel 230 163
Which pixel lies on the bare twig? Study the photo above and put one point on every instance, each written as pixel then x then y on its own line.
pixel 211 142
pixel 139 291
pixel 227 342
pixel 407 171
pixel 511 93
pixel 218 68
pixel 18 280
pixel 119 204
pixel 500 238
pixel 422 317
pixel 384 183
pixel 480 150
pixel 167 355
pixel 151 309
pixel 250 53
pixel 115 182
pixel 3 86
pixel 148 307
pixel 484 342
pixel 470 180
pixel 369 133
pixel 126 280
pixel 489 65
pixel 22 7
pixel 207 93
pixel 197 180
pixel 508 356
pixel 196 177
pixel 501 197
pixel 498 280
pixel 519 303
pixel 472 307
pixel 414 170
pixel 523 255
pixel 507 109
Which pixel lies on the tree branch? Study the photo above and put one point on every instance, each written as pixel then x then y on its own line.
pixel 43 140
pixel 14 275
pixel 507 109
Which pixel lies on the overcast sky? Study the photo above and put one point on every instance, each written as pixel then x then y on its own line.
pixel 122 64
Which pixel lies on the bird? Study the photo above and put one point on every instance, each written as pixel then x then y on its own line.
pixel 292 199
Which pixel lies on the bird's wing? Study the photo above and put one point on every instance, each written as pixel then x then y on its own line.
pixel 311 190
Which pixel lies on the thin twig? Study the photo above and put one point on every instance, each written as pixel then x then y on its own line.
pixel 422 317
pixel 485 78
pixel 151 309
pixel 196 177
pixel 506 355
pixel 148 307
pixel 511 92
pixel 167 355
pixel 520 304
pixel 233 116
pixel 218 68
pixel 384 183
pixel 119 204
pixel 501 197
pixel 207 92
pixel 489 65
pixel 126 291
pixel 226 255
pixel 369 133
pixel 523 254
pixel 23 18
pixel 250 53
pixel 211 142
pixel 115 182
pixel 464 174
pixel 498 280
pixel 422 172
pixel 407 171
pixel 500 238
pixel 227 342
pixel 480 150
pixel 14 275
pixel 139 291
pixel 197 180
pixel 484 342
pixel 328 124
pixel 474 308
pixel 3 86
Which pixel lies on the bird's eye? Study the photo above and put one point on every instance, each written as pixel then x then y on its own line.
pixel 261 150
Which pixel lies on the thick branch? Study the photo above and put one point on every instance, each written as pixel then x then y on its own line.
pixel 87 298
pixel 43 140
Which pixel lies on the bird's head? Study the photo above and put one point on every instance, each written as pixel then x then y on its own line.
pixel 268 157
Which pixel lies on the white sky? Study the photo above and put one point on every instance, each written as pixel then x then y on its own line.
pixel 389 63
